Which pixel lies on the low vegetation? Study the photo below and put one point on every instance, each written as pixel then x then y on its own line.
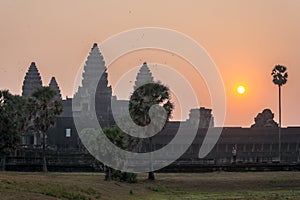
pixel 223 185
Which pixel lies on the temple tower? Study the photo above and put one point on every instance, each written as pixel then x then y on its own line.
pixel 144 76
pixel 94 78
pixel 201 117
pixel 53 85
pixel 32 81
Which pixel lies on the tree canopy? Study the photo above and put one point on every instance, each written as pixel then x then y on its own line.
pixel 46 108
pixel 92 138
pixel 280 75
pixel 14 116
pixel 144 98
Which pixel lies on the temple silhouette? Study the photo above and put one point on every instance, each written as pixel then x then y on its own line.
pixel 93 69
pixel 258 144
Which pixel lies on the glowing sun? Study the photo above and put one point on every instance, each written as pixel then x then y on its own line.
pixel 241 89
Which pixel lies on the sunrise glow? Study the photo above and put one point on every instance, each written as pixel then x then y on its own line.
pixel 241 89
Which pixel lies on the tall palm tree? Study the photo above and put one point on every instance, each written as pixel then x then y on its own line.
pixel 280 76
pixel 140 103
pixel 47 107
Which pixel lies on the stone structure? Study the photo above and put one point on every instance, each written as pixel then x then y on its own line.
pixel 259 144
pixel 144 76
pixel 206 118
pixel 94 82
pixel 32 81
pixel 264 119
pixel 64 135
pixel 53 85
pixel 201 115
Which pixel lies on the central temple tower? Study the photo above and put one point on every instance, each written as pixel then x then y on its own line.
pixel 144 76
pixel 94 81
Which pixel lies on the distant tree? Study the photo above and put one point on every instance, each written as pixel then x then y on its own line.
pixel 46 108
pixel 264 119
pixel 134 143
pixel 280 76
pixel 142 99
pixel 118 138
pixel 92 138
pixel 14 118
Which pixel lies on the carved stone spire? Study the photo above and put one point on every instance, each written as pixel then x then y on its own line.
pixel 32 81
pixel 94 67
pixel 94 81
pixel 144 76
pixel 53 84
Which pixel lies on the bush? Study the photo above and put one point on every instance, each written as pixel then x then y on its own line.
pixel 124 176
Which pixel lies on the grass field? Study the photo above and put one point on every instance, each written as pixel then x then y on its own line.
pixel 223 185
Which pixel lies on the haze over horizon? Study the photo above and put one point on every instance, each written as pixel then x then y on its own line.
pixel 246 39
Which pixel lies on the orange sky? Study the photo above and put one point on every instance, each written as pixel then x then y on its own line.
pixel 244 38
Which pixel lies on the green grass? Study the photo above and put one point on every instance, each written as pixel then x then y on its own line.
pixel 84 186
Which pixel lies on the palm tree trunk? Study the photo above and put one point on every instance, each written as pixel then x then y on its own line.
pixel 3 163
pixel 151 173
pixel 44 154
pixel 151 176
pixel 108 176
pixel 279 128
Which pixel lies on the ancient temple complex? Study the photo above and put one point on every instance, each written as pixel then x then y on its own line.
pixel 256 144
pixel 94 92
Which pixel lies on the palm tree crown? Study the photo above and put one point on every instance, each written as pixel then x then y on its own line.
pixel 280 75
pixel 146 96
pixel 47 107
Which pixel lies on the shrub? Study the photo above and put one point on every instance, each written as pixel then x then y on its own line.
pixel 124 176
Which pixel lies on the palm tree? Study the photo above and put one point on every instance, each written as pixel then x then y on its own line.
pixel 280 76
pixel 46 108
pixel 140 103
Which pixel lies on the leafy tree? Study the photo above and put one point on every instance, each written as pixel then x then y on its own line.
pixel 46 108
pixel 91 137
pixel 142 100
pixel 14 118
pixel 118 138
pixel 280 76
